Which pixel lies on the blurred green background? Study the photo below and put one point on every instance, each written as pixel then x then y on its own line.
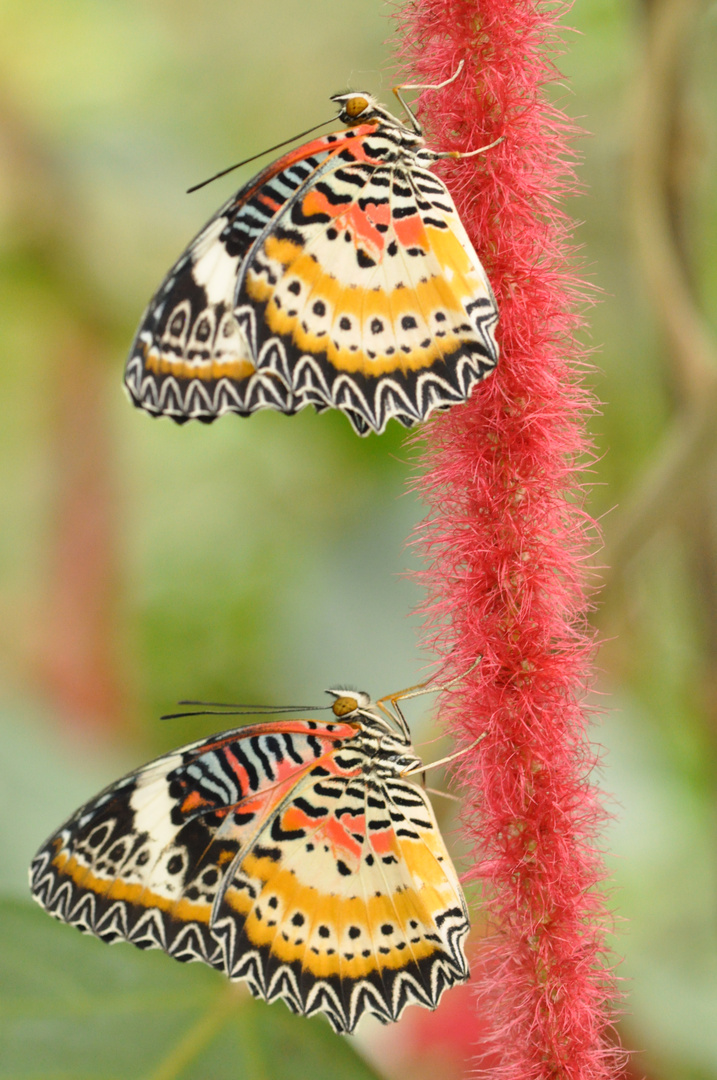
pixel 265 559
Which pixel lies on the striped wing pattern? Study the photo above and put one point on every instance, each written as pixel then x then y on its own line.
pixel 341 276
pixel 291 855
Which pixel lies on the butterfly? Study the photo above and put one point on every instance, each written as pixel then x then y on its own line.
pixel 296 855
pixel 340 277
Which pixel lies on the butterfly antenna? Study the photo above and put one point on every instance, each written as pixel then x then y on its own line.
pixel 252 708
pixel 220 708
pixel 269 150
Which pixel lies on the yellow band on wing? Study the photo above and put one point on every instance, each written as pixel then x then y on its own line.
pixel 272 924
pixel 133 893
pixel 166 364
pixel 422 301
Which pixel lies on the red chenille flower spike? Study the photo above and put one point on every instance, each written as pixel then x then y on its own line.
pixel 506 541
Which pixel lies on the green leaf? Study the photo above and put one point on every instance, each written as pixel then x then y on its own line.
pixel 72 1008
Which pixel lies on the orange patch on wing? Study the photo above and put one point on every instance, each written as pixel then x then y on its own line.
pixel 340 838
pixel 272 204
pixel 384 842
pixel 315 202
pixel 360 222
pixel 410 231
pixel 294 818
pixel 192 801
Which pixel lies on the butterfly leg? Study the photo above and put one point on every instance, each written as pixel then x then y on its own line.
pixel 428 686
pixel 393 710
pixel 444 760
pixel 423 86
pixel 468 153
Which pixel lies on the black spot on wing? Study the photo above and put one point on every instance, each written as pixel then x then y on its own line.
pixel 310 809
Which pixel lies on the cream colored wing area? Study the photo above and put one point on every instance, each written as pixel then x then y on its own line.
pixel 348 903
pixel 200 337
pixel 406 312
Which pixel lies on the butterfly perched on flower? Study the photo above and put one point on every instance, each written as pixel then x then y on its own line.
pixel 339 277
pixel 295 855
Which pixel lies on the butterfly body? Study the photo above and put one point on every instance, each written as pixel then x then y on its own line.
pixel 295 855
pixel 340 276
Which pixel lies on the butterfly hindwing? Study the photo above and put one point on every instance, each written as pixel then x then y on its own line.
pixel 366 294
pixel 349 900
pixel 341 276
pixel 292 855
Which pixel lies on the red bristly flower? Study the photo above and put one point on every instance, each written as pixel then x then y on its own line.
pixel 507 540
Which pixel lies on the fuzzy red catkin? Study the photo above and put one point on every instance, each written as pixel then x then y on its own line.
pixel 506 542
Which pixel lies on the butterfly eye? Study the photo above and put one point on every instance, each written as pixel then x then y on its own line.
pixel 344 705
pixel 355 106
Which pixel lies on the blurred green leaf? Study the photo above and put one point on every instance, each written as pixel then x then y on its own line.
pixel 73 1009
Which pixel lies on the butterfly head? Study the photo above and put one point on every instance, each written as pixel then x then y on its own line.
pixel 387 726
pixel 348 703
pixel 357 107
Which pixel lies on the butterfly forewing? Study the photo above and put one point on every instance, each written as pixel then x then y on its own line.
pixel 288 855
pixel 340 277
pixel 144 861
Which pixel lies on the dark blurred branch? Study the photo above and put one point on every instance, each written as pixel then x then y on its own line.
pixel 658 138
pixel 670 482
pixel 692 438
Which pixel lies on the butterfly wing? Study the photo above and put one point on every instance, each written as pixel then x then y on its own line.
pixel 144 861
pixel 270 854
pixel 341 276
pixel 348 902
pixel 190 357
pixel 367 295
